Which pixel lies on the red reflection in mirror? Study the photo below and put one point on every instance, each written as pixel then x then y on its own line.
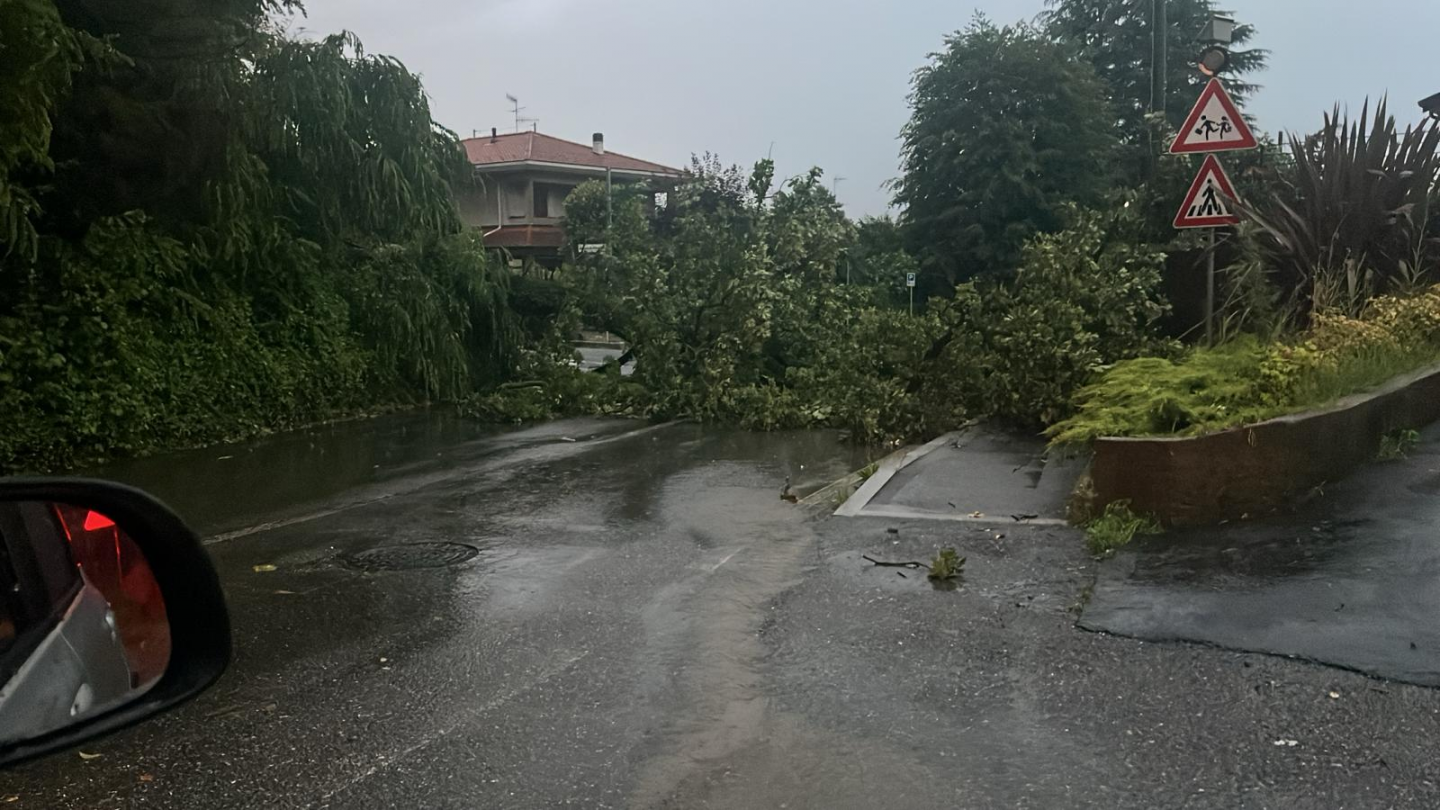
pixel 95 521
pixel 115 566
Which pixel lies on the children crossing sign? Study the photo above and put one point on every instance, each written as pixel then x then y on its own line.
pixel 1214 125
pixel 1211 201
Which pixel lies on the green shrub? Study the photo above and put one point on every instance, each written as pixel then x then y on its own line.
pixel 1157 396
pixel 1397 444
pixel 537 302
pixel 1084 298
pixel 1116 527
pixel 947 565
pixel 1245 381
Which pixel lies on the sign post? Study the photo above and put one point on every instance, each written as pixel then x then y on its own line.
pixel 1214 125
pixel 910 284
pixel 1208 204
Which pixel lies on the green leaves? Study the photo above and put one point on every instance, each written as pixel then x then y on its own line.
pixel 1083 298
pixel 1116 37
pixel 1006 126
pixel 38 56
pixel 1354 219
pixel 288 247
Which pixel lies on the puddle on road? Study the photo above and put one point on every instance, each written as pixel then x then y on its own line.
pixel 222 487
pixel 1246 556
pixel 227 487
pixel 409 557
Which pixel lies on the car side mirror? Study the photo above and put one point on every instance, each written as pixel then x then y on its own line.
pixel 110 613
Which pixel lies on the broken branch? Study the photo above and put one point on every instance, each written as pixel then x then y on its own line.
pixel 883 564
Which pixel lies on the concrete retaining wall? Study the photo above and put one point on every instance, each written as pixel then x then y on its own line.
pixel 1249 470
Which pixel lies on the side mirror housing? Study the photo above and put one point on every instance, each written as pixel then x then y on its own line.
pixel 110 613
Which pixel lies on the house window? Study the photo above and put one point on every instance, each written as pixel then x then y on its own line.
pixel 514 200
pixel 545 194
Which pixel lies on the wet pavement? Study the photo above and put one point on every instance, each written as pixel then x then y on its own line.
pixel 1351 578
pixel 981 473
pixel 607 614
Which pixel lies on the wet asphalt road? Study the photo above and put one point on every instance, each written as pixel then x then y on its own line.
pixel 646 624
pixel 1350 578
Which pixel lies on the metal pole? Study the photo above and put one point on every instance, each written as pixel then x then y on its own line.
pixel 609 216
pixel 1160 44
pixel 912 302
pixel 1159 74
pixel 1210 292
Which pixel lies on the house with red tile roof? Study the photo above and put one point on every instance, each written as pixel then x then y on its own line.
pixel 525 178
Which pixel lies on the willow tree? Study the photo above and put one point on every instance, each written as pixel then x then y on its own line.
pixel 226 230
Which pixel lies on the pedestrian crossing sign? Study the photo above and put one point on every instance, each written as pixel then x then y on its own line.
pixel 1211 201
pixel 1214 125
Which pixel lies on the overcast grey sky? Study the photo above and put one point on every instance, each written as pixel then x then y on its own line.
pixel 824 80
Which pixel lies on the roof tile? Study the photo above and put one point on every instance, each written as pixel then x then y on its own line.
pixel 536 146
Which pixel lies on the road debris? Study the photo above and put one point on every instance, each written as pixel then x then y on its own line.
pixel 912 564
pixel 264 568
pixel 786 495
pixel 946 565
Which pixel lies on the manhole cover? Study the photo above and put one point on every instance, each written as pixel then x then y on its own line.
pixel 409 557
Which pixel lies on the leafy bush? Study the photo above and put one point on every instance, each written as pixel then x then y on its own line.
pixel 1148 396
pixel 1397 444
pixel 1116 527
pixel 947 565
pixel 1246 381
pixel 103 355
pixel 733 310
pixel 537 303
pixel 1084 298
pixel 206 241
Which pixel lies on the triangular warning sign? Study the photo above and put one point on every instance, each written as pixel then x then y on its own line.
pixel 1211 201
pixel 1215 125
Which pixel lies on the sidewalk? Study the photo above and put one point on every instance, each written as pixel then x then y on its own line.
pixel 978 475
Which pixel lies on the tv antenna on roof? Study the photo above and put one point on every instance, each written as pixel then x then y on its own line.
pixel 517 109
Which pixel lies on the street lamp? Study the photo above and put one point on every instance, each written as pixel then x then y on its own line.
pixel 1219 32
pixel 1219 29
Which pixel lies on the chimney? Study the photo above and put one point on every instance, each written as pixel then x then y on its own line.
pixel 494 135
pixel 599 143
